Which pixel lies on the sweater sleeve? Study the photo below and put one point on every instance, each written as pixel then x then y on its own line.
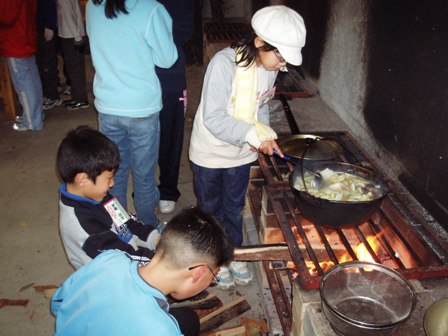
pixel 159 35
pixel 97 243
pixel 215 95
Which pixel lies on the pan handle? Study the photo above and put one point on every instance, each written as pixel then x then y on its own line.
pixel 286 157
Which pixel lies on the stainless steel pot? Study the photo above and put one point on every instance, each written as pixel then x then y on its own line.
pixel 366 299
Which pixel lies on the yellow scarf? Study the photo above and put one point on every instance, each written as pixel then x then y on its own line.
pixel 244 100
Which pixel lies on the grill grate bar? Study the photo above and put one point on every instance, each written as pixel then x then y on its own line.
pixel 327 245
pixel 392 226
pixel 403 240
pixel 386 245
pixel 347 244
pixel 367 245
pixel 305 239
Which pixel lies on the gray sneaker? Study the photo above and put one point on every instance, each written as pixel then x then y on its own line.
pixel 50 103
pixel 225 279
pixel 240 272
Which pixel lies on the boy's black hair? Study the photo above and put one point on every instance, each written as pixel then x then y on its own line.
pixel 112 7
pixel 248 50
pixel 192 230
pixel 86 150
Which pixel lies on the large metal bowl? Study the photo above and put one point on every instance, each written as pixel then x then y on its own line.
pixel 332 213
pixel 366 299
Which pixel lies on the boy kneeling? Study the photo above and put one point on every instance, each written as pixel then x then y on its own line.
pixel 117 295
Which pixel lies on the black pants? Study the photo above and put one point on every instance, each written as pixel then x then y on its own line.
pixel 188 320
pixel 75 65
pixel 47 63
pixel 172 120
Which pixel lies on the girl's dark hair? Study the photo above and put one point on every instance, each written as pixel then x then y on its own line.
pixel 248 50
pixel 85 150
pixel 113 7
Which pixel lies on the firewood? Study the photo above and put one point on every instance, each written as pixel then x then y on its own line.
pixel 207 302
pixel 48 293
pixel 8 302
pixel 26 287
pixel 263 252
pixel 254 327
pixel 222 315
pixel 41 288
pixel 231 331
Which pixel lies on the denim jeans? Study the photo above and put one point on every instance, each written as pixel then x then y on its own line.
pixel 138 142
pixel 26 80
pixel 222 192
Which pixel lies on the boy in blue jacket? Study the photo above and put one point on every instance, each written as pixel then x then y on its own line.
pixel 118 295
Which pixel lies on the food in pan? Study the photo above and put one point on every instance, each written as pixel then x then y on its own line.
pixel 339 186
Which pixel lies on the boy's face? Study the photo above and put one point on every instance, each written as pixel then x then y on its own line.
pixel 98 190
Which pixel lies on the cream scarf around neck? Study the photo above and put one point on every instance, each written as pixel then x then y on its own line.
pixel 245 102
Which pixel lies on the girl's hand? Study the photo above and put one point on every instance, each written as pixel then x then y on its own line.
pixel 267 147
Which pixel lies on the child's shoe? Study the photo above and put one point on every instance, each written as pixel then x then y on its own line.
pixel 242 275
pixel 20 128
pixel 50 103
pixel 225 279
pixel 166 207
pixel 74 105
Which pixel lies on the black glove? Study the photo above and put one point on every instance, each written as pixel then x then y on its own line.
pixel 80 45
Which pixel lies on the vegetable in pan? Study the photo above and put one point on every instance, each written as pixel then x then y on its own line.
pixel 339 186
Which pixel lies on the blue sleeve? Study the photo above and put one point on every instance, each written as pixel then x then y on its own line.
pixel 159 36
pixel 56 301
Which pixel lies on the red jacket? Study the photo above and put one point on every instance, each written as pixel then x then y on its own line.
pixel 18 31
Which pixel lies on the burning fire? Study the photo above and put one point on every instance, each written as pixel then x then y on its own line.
pixel 360 250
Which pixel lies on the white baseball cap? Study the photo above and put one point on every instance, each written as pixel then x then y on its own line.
pixel 282 28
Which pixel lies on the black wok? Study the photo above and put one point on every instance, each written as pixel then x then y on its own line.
pixel 331 213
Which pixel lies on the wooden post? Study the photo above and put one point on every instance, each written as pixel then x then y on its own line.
pixel 7 93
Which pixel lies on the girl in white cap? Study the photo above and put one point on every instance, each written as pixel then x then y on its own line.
pixel 231 123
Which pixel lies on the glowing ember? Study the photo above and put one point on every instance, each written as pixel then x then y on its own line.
pixel 325 265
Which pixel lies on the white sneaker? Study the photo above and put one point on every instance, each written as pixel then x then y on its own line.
pixel 242 275
pixel 225 279
pixel 167 207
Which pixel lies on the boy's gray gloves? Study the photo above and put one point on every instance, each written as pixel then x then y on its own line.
pixel 154 236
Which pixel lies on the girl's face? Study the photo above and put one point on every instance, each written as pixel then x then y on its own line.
pixel 270 60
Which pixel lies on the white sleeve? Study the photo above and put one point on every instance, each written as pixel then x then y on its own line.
pixel 216 92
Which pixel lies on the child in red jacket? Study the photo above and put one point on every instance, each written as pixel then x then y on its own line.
pixel 18 44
